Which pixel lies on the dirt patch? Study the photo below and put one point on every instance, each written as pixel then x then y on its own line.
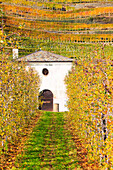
pixel 92 5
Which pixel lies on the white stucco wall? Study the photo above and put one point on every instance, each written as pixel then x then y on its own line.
pixel 54 81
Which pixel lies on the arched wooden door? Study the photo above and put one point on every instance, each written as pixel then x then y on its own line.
pixel 46 98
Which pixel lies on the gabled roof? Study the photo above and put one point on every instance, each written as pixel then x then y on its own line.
pixel 44 56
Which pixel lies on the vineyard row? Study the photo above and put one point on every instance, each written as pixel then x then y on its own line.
pixel 35 13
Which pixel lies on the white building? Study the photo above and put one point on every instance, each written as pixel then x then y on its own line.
pixel 52 69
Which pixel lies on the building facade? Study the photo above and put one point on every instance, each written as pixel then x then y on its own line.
pixel 52 69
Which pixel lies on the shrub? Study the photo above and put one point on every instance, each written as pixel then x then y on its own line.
pixel 90 93
pixel 19 90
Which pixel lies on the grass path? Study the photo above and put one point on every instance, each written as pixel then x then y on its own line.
pixel 50 146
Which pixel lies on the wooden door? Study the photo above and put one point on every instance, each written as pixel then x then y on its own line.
pixel 46 97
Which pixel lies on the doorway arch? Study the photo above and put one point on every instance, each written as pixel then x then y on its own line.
pixel 46 100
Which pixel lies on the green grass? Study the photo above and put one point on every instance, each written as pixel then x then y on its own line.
pixel 50 145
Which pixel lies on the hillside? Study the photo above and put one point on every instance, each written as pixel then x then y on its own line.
pixel 57 26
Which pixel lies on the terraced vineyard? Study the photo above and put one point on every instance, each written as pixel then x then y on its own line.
pixel 33 25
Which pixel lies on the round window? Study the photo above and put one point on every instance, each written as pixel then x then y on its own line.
pixel 45 71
